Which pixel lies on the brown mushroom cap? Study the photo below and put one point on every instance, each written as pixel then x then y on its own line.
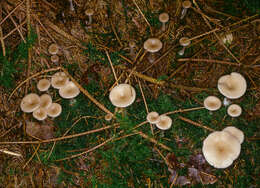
pixel 164 17
pixel 153 117
pixel 89 12
pixel 30 103
pixel 184 41
pixel 108 117
pixel 69 91
pixel 40 114
pixel 152 45
pixel 54 110
pixel 236 133
pixel 43 85
pixel 164 123
pixel 234 110
pixel 55 58
pixel 122 95
pixel 45 101
pixel 232 86
pixel 212 103
pixel 186 4
pixel 59 79
pixel 53 49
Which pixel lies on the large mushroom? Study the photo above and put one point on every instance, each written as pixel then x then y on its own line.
pixel 236 133
pixel 69 91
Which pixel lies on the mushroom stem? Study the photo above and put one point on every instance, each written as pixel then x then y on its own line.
pixel 89 19
pixel 71 6
pixel 183 13
pixel 151 57
pixel 163 26
pixel 181 52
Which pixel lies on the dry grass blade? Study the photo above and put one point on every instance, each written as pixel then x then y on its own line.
pixel 195 123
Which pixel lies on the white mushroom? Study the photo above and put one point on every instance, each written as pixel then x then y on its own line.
pixel 30 103
pixel 69 91
pixel 59 79
pixel 54 110
pixel 235 132
pixel 40 114
pixel 164 123
pixel 122 95
pixel 43 85
pixel 234 110
pixel 212 103
pixel 153 117
pixel 152 45
pixel 184 41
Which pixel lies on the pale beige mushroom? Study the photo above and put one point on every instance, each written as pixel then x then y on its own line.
pixel 53 49
pixel 184 42
pixel 234 110
pixel 43 85
pixel 30 103
pixel 227 38
pixel 164 123
pixel 122 95
pixel 185 5
pixel 54 110
pixel 164 18
pixel 55 58
pixel 59 80
pixel 232 86
pixel 108 117
pixel 220 149
pixel 236 133
pixel 45 101
pixel 69 91
pixel 152 45
pixel 89 13
pixel 212 103
pixel 40 114
pixel 153 117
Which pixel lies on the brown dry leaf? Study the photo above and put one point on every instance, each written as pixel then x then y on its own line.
pixel 42 132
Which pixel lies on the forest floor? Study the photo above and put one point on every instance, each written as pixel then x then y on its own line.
pixel 80 148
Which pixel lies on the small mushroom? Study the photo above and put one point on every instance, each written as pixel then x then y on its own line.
pixel 232 86
pixel 212 103
pixel 55 58
pixel 69 91
pixel 108 117
pixel 164 123
pixel 184 41
pixel 45 101
pixel 236 133
pixel 227 38
pixel 164 18
pixel 122 95
pixel 40 114
pixel 185 5
pixel 234 110
pixel 153 117
pixel 71 5
pixel 220 149
pixel 43 85
pixel 30 103
pixel 54 110
pixel 152 45
pixel 89 12
pixel 59 79
pixel 53 49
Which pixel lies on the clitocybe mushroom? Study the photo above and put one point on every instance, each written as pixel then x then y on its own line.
pixel 152 45
pixel 108 117
pixel 232 86
pixel 153 117
pixel 54 110
pixel 164 18
pixel 69 91
pixel 89 13
pixel 40 114
pixel 164 123
pixel 30 103
pixel 220 149
pixel 185 5
pixel 59 80
pixel 55 58
pixel 234 110
pixel 53 49
pixel 43 85
pixel 212 103
pixel 236 133
pixel 184 41
pixel 122 95
pixel 45 101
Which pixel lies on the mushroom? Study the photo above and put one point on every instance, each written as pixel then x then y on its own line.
pixel 69 91
pixel 236 133
pixel 40 114
pixel 30 103
pixel 132 45
pixel 164 123
pixel 227 38
pixel 108 117
pixel 89 12
pixel 234 110
pixel 55 58
pixel 153 117
pixel 232 86
pixel 59 79
pixel 152 45
pixel 71 5
pixel 220 149
pixel 53 49
pixel 164 18
pixel 184 41
pixel 45 101
pixel 122 95
pixel 212 103
pixel 226 101
pixel 43 85
pixel 185 5
pixel 54 110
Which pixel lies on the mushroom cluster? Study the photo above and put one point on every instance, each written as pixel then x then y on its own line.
pixel 221 148
pixel 54 50
pixel 162 122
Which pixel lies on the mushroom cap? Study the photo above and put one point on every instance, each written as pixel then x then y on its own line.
pixel 184 41
pixel 152 117
pixel 59 79
pixel 53 49
pixel 40 114
pixel 232 86
pixel 164 17
pixel 43 85
pixel 212 103
pixel 89 12
pixel 69 91
pixel 236 133
pixel 30 103
pixel 45 101
pixel 164 123
pixel 55 58
pixel 122 95
pixel 108 117
pixel 234 110
pixel 54 110
pixel 152 45
pixel 132 44
pixel 186 4
pixel 220 149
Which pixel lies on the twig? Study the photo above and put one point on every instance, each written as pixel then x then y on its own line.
pixel 203 34
pixel 10 153
pixel 195 123
pixel 184 110
pixel 112 67
pixel 12 31
pixel 32 156
pixel 115 33
pixel 1 34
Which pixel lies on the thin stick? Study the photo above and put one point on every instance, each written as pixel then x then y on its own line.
pixel 112 67
pixel 17 28
pixel 203 34
pixel 11 32
pixel 10 153
pixel 32 156
pixel 114 30
pixel 195 123
pixel 1 33
pixel 184 110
